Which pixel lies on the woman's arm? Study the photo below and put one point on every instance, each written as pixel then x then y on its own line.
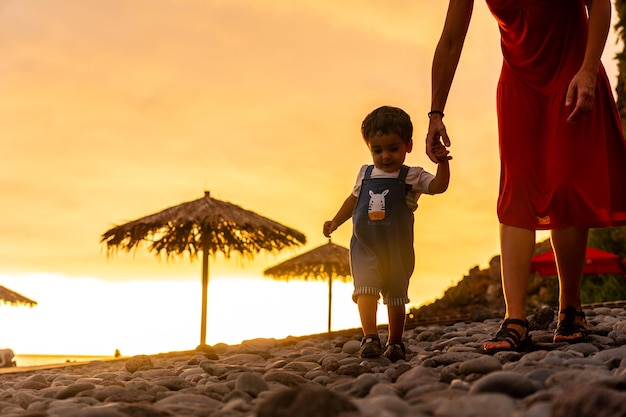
pixel 445 61
pixel 582 88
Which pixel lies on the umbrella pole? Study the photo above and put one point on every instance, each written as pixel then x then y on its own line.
pixel 330 299
pixel 205 291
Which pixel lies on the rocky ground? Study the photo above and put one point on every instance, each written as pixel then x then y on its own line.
pixel 444 375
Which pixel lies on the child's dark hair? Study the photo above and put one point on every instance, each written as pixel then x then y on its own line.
pixel 385 120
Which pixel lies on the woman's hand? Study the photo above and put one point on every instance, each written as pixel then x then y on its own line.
pixel 436 135
pixel 441 153
pixel 580 94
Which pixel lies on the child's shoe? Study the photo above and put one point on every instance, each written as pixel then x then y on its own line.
pixel 370 346
pixel 394 351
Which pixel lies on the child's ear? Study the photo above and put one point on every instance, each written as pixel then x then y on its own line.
pixel 409 146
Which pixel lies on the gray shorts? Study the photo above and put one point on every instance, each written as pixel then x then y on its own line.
pixel 394 291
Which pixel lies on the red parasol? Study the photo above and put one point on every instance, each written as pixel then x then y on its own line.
pixel 596 262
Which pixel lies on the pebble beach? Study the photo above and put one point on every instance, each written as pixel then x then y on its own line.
pixel 444 375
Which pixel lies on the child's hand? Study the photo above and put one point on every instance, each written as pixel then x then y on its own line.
pixel 436 135
pixel 329 227
pixel 441 153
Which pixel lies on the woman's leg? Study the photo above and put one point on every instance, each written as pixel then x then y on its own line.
pixel 570 245
pixel 517 247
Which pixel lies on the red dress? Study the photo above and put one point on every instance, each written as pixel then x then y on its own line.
pixel 554 174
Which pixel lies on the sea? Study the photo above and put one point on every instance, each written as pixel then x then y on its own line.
pixel 26 360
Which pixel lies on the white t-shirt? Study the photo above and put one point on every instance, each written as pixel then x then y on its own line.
pixel 417 177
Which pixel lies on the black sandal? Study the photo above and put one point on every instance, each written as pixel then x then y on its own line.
pixel 569 327
pixel 511 336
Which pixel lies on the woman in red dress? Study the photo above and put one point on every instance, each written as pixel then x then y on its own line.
pixel 562 150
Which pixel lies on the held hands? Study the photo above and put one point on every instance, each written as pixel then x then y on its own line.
pixel 437 140
pixel 440 152
pixel 580 94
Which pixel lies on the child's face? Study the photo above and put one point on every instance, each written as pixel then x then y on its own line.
pixel 388 151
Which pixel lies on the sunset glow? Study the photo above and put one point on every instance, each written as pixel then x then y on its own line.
pixel 113 110
pixel 89 317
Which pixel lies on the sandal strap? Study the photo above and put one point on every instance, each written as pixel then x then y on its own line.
pixel 510 335
pixel 519 322
pixel 571 313
pixel 568 328
pixel 399 344
pixel 368 338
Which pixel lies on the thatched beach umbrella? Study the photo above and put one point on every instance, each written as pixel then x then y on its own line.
pixel 328 261
pixel 208 226
pixel 8 296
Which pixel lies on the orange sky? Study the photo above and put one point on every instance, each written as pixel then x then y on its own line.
pixel 112 110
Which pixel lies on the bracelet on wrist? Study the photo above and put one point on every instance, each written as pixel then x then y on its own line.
pixel 439 112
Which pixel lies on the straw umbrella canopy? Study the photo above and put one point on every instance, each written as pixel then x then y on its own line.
pixel 325 262
pixel 8 296
pixel 206 226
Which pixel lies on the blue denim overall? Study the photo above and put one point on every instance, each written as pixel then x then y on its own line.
pixel 381 249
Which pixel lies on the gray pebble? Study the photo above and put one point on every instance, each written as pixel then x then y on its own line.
pixel 505 382
pixel 444 375
pixel 482 365
pixel 72 390
pixel 483 405
pixel 252 383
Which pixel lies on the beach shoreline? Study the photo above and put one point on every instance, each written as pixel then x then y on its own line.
pixel 34 359
pixel 445 375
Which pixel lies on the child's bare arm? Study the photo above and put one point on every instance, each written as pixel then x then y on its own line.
pixel 344 213
pixel 442 178
pixel 439 184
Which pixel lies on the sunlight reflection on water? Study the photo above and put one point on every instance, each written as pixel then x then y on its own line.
pixel 94 317
pixel 25 360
